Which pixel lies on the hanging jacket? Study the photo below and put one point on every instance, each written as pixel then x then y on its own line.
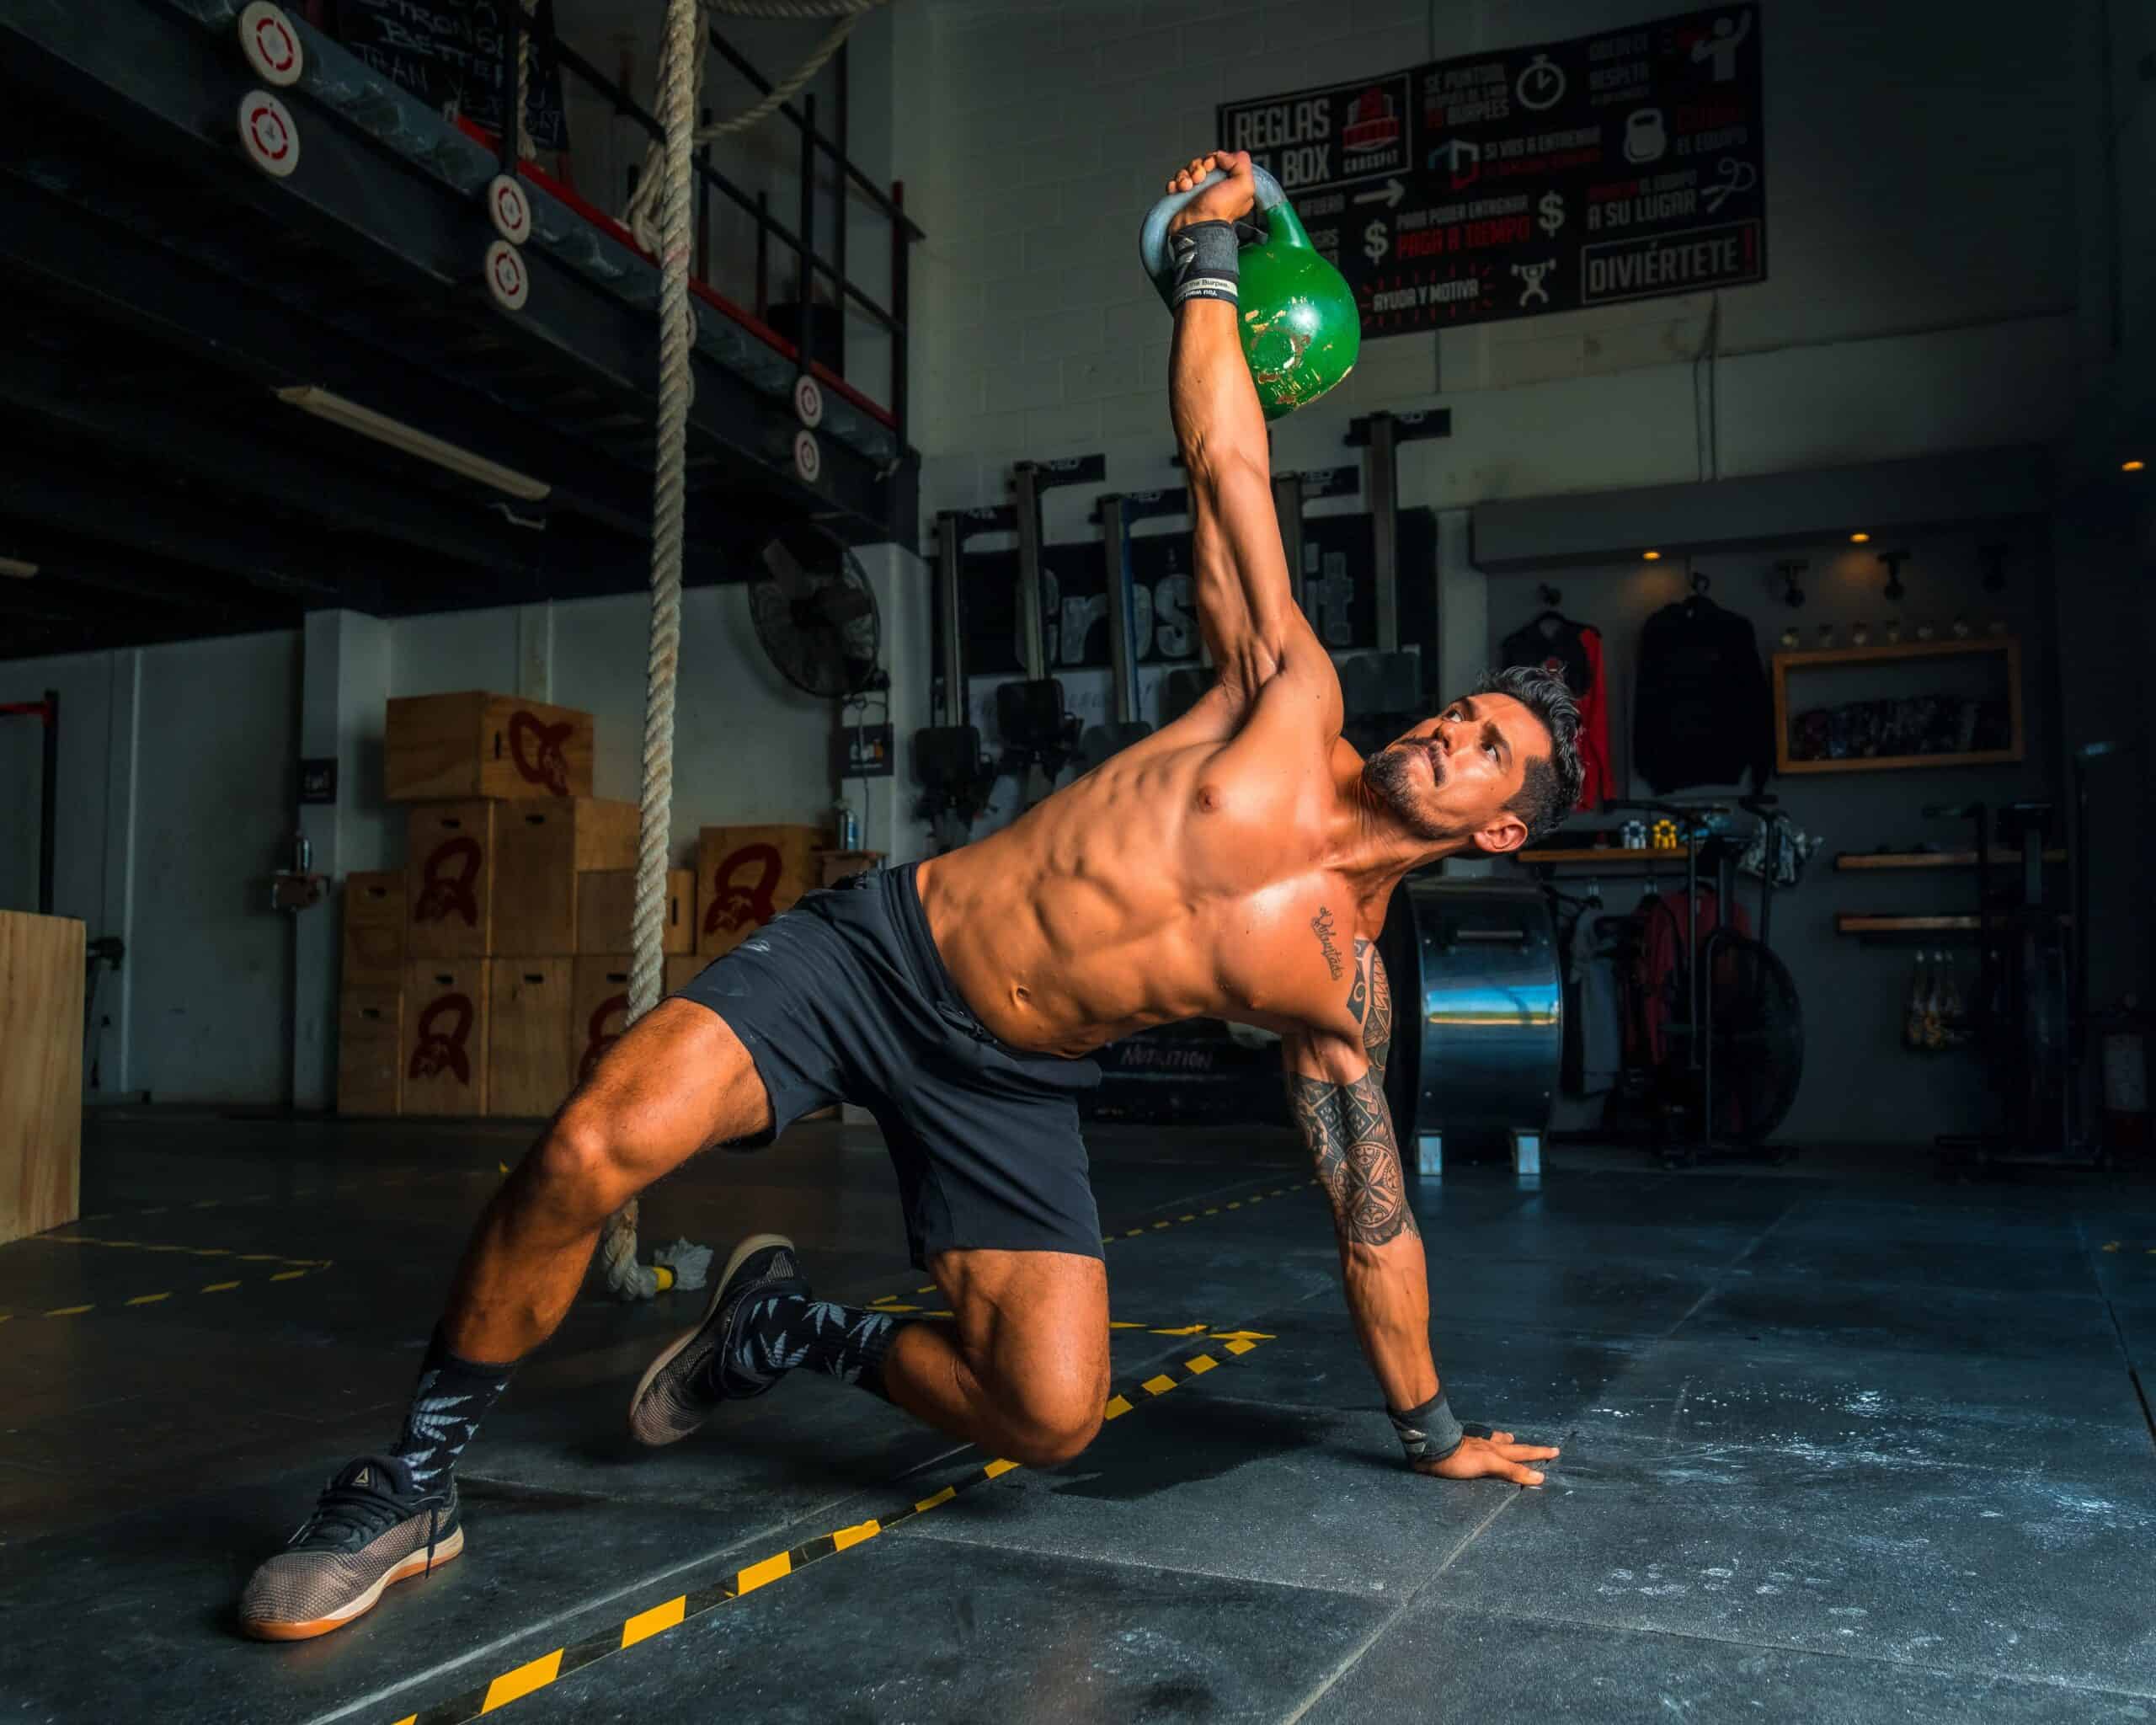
pixel 1701 714
pixel 1557 643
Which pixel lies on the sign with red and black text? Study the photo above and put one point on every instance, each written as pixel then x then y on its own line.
pixel 1618 166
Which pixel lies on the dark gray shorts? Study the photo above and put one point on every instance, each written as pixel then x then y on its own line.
pixel 844 998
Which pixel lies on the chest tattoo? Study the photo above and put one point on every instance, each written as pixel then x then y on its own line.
pixel 1321 925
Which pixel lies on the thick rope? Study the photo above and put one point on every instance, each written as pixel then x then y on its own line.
pixel 638 214
pixel 677 114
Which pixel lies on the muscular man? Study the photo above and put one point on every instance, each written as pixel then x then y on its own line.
pixel 1237 864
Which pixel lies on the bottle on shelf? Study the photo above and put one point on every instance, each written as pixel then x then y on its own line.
pixel 1935 1028
pixel 1953 1007
pixel 1913 1004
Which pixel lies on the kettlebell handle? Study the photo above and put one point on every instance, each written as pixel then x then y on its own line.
pixel 1153 236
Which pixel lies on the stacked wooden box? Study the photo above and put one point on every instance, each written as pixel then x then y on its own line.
pixel 457 969
pixel 490 973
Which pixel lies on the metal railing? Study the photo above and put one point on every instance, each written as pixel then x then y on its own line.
pixel 811 263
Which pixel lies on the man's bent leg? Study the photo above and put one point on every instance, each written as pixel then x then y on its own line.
pixel 1023 1371
pixel 679 1080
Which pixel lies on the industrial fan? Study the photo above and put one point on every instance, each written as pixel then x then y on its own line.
pixel 816 614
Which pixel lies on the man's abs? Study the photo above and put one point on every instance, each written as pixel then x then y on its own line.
pixel 1167 883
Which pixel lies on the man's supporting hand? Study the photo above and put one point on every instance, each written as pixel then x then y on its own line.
pixel 1497 1456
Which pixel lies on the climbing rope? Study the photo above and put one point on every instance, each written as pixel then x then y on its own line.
pixel 638 215
pixel 660 215
pixel 677 115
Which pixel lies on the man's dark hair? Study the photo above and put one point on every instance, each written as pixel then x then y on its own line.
pixel 1550 788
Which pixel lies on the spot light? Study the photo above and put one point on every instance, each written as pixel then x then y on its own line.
pixel 2132 467
pixel 1859 538
pixel 1652 556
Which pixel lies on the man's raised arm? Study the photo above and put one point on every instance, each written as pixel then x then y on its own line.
pixel 1252 626
pixel 1336 1094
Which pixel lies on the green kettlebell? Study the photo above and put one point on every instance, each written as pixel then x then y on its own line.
pixel 1300 327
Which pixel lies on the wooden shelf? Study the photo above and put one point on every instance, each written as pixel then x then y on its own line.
pixel 1824 658
pixel 1859 922
pixel 1804 657
pixel 1890 763
pixel 1854 923
pixel 1609 854
pixel 1932 859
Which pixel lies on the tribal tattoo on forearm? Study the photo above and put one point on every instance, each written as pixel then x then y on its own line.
pixel 1348 1127
pixel 1349 1131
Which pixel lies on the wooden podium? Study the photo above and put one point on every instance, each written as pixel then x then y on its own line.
pixel 40 1073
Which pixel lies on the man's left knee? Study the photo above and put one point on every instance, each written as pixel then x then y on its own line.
pixel 1052 1422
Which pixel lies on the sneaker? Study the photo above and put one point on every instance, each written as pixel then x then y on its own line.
pixel 370 1527
pixel 680 1389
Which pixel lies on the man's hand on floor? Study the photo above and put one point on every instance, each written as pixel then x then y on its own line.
pixel 1497 1456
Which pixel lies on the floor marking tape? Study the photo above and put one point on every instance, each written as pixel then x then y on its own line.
pixel 308 1264
pixel 148 1299
pixel 671 1613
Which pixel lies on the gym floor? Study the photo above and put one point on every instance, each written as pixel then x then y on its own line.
pixel 1839 1444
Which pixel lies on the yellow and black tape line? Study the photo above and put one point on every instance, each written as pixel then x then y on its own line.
pixel 670 1614
pixel 233 1253
pixel 1210 1209
pixel 314 1269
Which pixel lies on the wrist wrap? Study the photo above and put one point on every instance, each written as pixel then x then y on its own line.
pixel 1429 1432
pixel 1201 258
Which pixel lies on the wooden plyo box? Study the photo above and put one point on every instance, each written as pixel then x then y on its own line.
pixel 450 880
pixel 370 1050
pixel 444 1038
pixel 477 744
pixel 540 851
pixel 374 929
pixel 836 866
pixel 605 910
pixel 680 967
pixel 599 1008
pixel 746 875
pixel 41 1072
pixel 529 1070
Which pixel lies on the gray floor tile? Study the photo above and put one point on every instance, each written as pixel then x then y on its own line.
pixel 2043 1577
pixel 1470 1662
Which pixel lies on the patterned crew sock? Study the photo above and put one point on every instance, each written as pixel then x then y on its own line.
pixel 450 1400
pixel 782 1330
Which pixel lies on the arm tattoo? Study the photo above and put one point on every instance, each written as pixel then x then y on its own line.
pixel 1349 1130
pixel 1372 1005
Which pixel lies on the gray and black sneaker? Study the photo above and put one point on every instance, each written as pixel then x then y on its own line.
pixel 704 1366
pixel 370 1527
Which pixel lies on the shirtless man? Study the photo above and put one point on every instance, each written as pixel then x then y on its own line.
pixel 1237 864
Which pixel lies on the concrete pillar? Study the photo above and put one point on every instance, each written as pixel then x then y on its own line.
pixel 902 583
pixel 344 689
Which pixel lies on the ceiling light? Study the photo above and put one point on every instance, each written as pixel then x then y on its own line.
pixel 412 440
pixel 1859 538
pixel 2132 467
pixel 21 571
pixel 1652 556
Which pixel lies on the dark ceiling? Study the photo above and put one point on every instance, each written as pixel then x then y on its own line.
pixel 155 291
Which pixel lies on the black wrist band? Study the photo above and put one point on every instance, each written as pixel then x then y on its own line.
pixel 1202 261
pixel 1429 1432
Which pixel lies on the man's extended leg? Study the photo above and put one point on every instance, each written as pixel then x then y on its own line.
pixel 678 1080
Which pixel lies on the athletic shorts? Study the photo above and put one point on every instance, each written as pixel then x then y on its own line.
pixel 844 998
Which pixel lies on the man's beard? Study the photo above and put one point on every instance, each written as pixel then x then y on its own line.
pixel 1391 776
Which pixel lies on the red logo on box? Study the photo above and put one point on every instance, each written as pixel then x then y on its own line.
pixel 598 1038
pixel 441 891
pixel 439 1051
pixel 734 905
pixel 537 749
